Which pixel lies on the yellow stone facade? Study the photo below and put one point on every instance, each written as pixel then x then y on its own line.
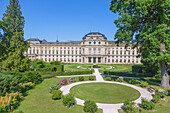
pixel 93 48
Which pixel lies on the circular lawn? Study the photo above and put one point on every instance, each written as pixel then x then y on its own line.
pixel 105 92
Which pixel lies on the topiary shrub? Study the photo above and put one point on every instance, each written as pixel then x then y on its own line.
pixel 69 100
pixel 130 106
pixel 72 79
pixel 92 77
pixel 156 98
pixel 56 94
pixel 90 107
pixel 120 79
pixel 108 78
pixel 81 78
pixel 144 84
pixel 148 105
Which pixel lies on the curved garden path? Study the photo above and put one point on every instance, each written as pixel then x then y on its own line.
pixel 107 108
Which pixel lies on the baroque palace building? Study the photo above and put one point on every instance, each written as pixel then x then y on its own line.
pixel 93 48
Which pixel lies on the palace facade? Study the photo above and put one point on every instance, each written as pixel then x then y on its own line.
pixel 93 48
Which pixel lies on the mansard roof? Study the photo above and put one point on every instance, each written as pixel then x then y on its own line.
pixel 94 34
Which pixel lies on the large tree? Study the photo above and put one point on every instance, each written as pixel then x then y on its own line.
pixel 145 24
pixel 13 42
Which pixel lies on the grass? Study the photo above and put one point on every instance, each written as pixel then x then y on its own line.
pixel 105 92
pixel 39 100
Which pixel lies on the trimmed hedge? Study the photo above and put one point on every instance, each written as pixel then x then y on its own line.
pixel 49 68
pixel 138 69
pixel 65 73
pixel 128 74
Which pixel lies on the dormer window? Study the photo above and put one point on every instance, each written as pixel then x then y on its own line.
pixel 89 42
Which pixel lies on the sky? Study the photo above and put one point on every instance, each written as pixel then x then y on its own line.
pixel 65 19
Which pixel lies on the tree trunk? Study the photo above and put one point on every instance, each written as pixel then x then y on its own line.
pixel 164 76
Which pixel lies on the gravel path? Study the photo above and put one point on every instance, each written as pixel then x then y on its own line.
pixel 107 108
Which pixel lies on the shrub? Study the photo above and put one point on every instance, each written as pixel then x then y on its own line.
pixel 72 79
pixel 96 66
pixel 63 82
pixel 156 98
pixel 56 94
pixel 92 77
pixel 26 86
pixel 138 68
pixel 56 87
pixel 129 106
pixel 68 100
pixel 34 77
pixel 132 81
pixel 108 78
pixel 148 105
pixel 162 93
pixel 144 84
pixel 120 79
pixel 90 106
pixel 17 111
pixel 81 78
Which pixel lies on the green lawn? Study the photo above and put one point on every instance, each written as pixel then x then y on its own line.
pixel 117 67
pixel 105 92
pixel 39 100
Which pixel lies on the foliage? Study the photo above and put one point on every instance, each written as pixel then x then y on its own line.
pixel 144 84
pixel 156 98
pixel 10 81
pixel 148 105
pixel 72 79
pixel 56 87
pixel 120 79
pixel 132 81
pixel 90 107
pixel 130 106
pixel 81 78
pixel 55 62
pixel 9 100
pixel 108 78
pixel 92 77
pixel 138 69
pixel 26 86
pixel 17 111
pixel 146 28
pixel 96 66
pixel 63 82
pixel 13 44
pixel 162 93
pixel 56 94
pixel 68 100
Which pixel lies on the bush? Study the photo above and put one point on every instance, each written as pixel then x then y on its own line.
pixel 129 106
pixel 144 84
pixel 17 111
pixel 81 78
pixel 148 105
pixel 96 66
pixel 63 82
pixel 56 87
pixel 120 79
pixel 156 98
pixel 26 86
pixel 92 77
pixel 56 94
pixel 72 79
pixel 162 93
pixel 138 69
pixel 108 78
pixel 68 100
pixel 132 81
pixel 90 106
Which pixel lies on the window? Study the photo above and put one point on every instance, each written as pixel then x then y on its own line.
pixel 99 42
pixel 60 51
pixel 116 52
pixel 133 52
pixel 72 52
pixel 89 42
pixel 94 42
pixel 79 51
pixel 121 52
pixel 109 52
pixel 64 51
pixel 30 51
pixel 57 52
pixel 49 52
pixel 129 52
pixel 53 51
pixel 37 51
pixel 83 50
pixel 45 51
pixel 112 52
pixel 99 51
pixel 105 51
pixel 41 51
pixel 68 52
pixel 34 51
pixel 94 50
pixel 124 52
pixel 89 50
pixel 76 52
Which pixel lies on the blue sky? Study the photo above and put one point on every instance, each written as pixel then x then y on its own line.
pixel 65 19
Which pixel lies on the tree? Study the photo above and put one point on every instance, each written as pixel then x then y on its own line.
pixel 145 24
pixel 13 42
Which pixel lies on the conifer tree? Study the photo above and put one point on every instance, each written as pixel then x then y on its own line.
pixel 13 41
pixel 146 23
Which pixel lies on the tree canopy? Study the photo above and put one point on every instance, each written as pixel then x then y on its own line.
pixel 13 44
pixel 145 24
